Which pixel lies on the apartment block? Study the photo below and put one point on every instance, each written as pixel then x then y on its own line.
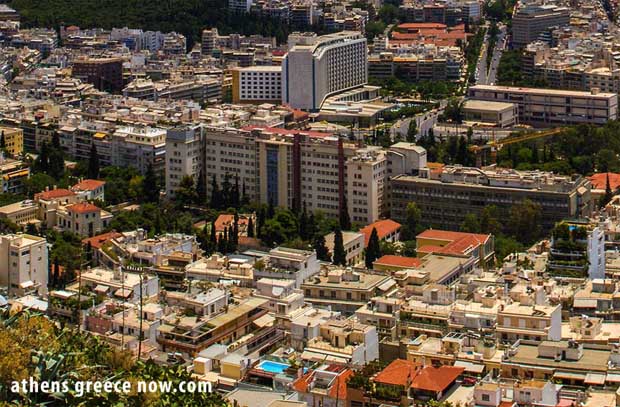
pixel 317 67
pixel 552 107
pixel 529 322
pixel 257 84
pixel 529 21
pixel 13 140
pixel 24 264
pixel 445 198
pixel 184 150
pixel 105 73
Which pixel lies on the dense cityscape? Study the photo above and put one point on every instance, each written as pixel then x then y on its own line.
pixel 310 203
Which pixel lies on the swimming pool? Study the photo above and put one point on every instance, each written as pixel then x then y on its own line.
pixel 272 367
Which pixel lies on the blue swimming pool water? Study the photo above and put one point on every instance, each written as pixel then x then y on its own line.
pixel 272 367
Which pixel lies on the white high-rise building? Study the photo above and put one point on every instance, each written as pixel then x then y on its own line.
pixel 317 67
pixel 23 264
pixel 184 155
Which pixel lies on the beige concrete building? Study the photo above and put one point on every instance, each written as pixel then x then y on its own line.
pixel 23 264
pixel 552 106
pixel 531 20
pixel 491 113
pixel 13 139
pixel 20 213
pixel 529 322
pixel 353 246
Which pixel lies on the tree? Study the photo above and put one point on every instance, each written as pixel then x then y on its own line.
pixel 186 193
pixel 524 221
pixel 490 220
pixel 216 196
pixel 322 253
pixel 413 214
pixel 222 242
pixel 303 224
pixel 2 141
pixel 470 224
pixel 235 200
pixel 41 164
pixel 56 163
pixel 345 220
pixel 226 191
pixel 150 187
pixel 608 192
pixel 93 162
pixel 454 110
pixel 340 256
pixel 250 227
pixel 412 131
pixel 373 250
pixel 201 187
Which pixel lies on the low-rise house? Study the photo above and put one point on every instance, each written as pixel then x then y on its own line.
pixel 387 230
pixel 442 242
pixel 345 342
pixel 120 284
pixel 90 189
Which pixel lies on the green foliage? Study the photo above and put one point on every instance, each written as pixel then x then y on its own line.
pixel 410 228
pixel 33 346
pixel 340 256
pixel 373 250
pixel 322 253
pixel 188 17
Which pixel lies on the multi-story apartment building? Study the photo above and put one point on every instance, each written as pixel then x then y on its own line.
pixel 445 198
pixel 209 41
pixel 317 67
pixel 553 107
pixel 436 65
pixel 344 290
pixel 184 155
pixel 105 73
pixel 529 21
pixel 24 264
pixel 529 322
pixel 239 6
pixel 14 174
pixel 257 84
pixel 13 139
pixel 123 146
pixel 288 168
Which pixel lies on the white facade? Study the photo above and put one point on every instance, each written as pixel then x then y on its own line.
pixel 596 253
pixel 183 155
pixel 23 263
pixel 257 84
pixel 317 67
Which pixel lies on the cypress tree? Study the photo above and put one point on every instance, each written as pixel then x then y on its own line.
pixel 216 202
pixel 236 195
pixel 2 141
pixel 150 189
pixel 232 240
pixel 373 250
pixel 222 242
pixel 345 220
pixel 303 224
pixel 93 163
pixel 213 237
pixel 201 187
pixel 322 253
pixel 340 256
pixel 260 222
pixel 250 227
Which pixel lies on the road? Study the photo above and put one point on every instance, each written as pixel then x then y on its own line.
pixel 497 54
pixel 425 121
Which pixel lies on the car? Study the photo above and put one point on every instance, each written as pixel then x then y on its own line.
pixel 469 381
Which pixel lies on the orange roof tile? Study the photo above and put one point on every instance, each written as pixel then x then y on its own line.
pixel 459 243
pixel 384 228
pixel 54 194
pixel 97 241
pixel 225 220
pixel 338 390
pixel 398 373
pixel 436 379
pixel 599 181
pixel 446 235
pixel 88 185
pixel 413 26
pixel 83 207
pixel 400 261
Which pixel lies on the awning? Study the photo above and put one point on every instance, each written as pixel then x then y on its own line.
pixel 613 377
pixel 595 378
pixel 584 303
pixel 569 375
pixel 470 367
pixel 264 321
pixel 320 357
pixel 26 284
pixel 101 289
pixel 387 285
pixel 123 292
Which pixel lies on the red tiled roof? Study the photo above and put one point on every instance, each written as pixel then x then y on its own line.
pixel 599 181
pixel 88 185
pixel 414 26
pixel 54 194
pixel 336 391
pixel 384 228
pixel 97 241
pixel 398 373
pixel 401 261
pixel 459 243
pixel 83 207
pixel 225 220
pixel 436 379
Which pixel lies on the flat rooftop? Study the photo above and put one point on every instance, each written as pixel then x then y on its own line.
pixel 487 105
pixel 546 92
